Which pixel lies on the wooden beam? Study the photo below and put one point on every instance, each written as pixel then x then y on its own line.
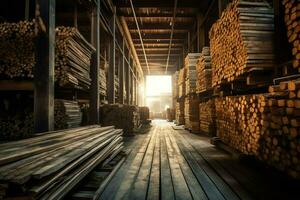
pixel 44 69
pixel 121 75
pixel 127 84
pixel 112 63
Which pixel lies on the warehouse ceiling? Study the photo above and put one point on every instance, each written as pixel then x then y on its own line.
pixel 155 23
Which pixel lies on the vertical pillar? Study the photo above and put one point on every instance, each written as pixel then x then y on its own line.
pixel 121 75
pixel 127 84
pixel 112 63
pixel 44 69
pixel 95 65
pixel 76 14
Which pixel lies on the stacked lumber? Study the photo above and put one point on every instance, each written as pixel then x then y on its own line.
pixel 181 82
pixel 204 72
pixel 50 165
pixel 179 113
pixel 17 49
pixel 116 82
pixel 242 40
pixel 207 117
pixel 103 82
pixel 191 114
pixel 175 85
pixel 72 58
pixel 170 114
pixel 190 63
pixel 67 114
pixel 292 17
pixel 280 145
pixel 144 113
pixel 124 117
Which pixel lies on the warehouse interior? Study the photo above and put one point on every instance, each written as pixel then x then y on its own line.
pixel 149 99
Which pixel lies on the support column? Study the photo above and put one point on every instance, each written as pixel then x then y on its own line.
pixel 95 65
pixel 44 69
pixel 121 75
pixel 127 84
pixel 112 63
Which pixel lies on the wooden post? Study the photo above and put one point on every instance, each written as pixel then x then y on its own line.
pixel 127 84
pixel 44 69
pixel 112 63
pixel 121 75
pixel 95 64
pixel 76 14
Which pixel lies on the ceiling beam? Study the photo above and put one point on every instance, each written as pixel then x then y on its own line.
pixel 159 36
pixel 161 41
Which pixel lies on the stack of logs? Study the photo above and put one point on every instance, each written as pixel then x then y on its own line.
pixel 242 40
pixel 292 17
pixel 179 113
pixel 67 114
pixel 190 63
pixel 207 117
pixel 191 113
pixel 181 82
pixel 17 49
pixel 72 58
pixel 125 117
pixel 204 72
pixel 51 165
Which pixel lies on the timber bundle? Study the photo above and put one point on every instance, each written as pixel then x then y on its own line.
pixel 242 40
pixel 181 82
pixel 191 114
pixel 170 114
pixel 179 113
pixel 67 114
pixel 72 58
pixel 102 83
pixel 292 17
pixel 175 85
pixel 50 165
pixel 191 76
pixel 125 117
pixel 204 72
pixel 207 117
pixel 144 113
pixel 16 49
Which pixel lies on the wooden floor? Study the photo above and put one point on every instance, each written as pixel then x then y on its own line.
pixel 174 164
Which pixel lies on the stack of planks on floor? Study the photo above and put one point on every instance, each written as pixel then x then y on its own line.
pixel 292 17
pixel 67 114
pixel 181 82
pixel 72 58
pixel 16 49
pixel 280 144
pixel 242 40
pixel 179 113
pixel 50 165
pixel 116 82
pixel 204 72
pixel 170 112
pixel 144 113
pixel 103 83
pixel 191 113
pixel 190 63
pixel 207 117
pixel 125 117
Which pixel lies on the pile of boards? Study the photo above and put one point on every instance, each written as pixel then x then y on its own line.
pixel 207 117
pixel 67 114
pixel 116 82
pixel 72 54
pixel 125 117
pixel 292 17
pixel 242 40
pixel 144 113
pixel 175 87
pixel 170 114
pixel 179 113
pixel 50 165
pixel 204 72
pixel 103 82
pixel 191 113
pixel 190 63
pixel 181 82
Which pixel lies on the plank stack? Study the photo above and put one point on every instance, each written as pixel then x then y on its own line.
pixel 17 46
pixel 175 85
pixel 181 82
pixel 191 113
pixel 170 114
pixel 67 114
pixel 204 72
pixel 241 41
pixel 50 165
pixel 207 117
pixel 116 86
pixel 125 117
pixel 190 63
pixel 144 113
pixel 280 145
pixel 292 17
pixel 179 113
pixel 103 83
pixel 72 58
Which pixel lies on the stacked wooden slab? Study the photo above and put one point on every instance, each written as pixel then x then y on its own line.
pixel 175 85
pixel 50 165
pixel 181 82
pixel 207 117
pixel 292 17
pixel 144 113
pixel 241 41
pixel 170 114
pixel 191 113
pixel 125 117
pixel 179 113
pixel 204 72
pixel 191 75
pixel 103 83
